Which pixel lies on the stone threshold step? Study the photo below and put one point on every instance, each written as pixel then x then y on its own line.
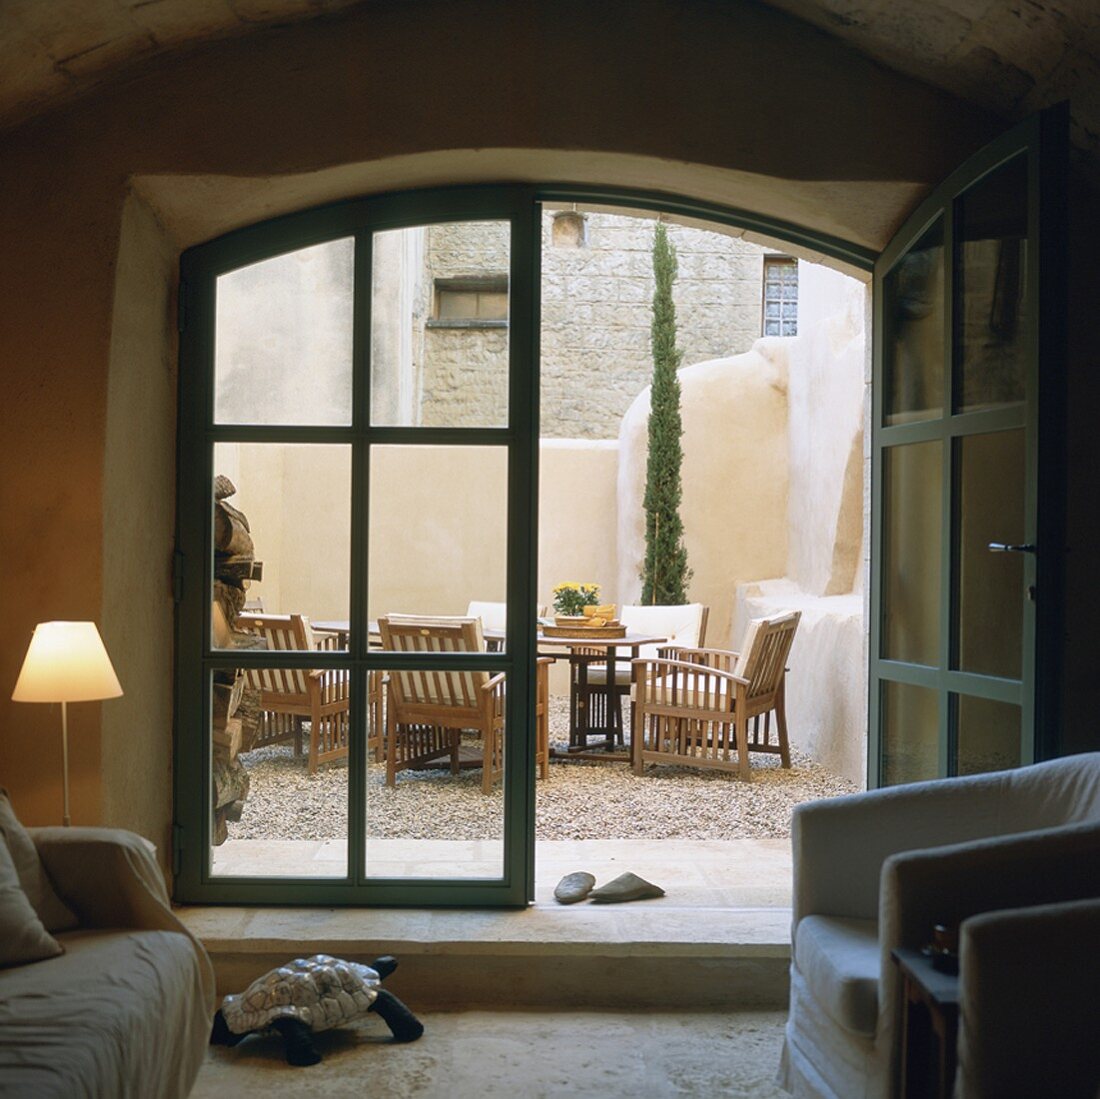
pixel 648 954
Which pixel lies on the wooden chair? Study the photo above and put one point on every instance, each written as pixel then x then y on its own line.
pixel 684 625
pixel 693 706
pixel 290 696
pixel 427 711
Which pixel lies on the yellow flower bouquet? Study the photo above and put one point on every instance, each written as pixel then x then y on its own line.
pixel 571 598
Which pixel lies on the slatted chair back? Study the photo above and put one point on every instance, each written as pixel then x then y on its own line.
pixel 283 633
pixel 763 658
pixel 289 695
pixel 436 688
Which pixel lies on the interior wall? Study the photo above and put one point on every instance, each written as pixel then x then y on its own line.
pixel 699 99
pixel 139 492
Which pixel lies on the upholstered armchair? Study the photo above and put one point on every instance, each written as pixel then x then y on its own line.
pixel 876 871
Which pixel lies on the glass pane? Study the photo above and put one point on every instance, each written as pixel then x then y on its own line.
pixel 913 312
pixel 432 811
pixel 439 353
pixel 282 545
pixel 991 585
pixel 988 735
pixel 991 287
pixel 282 352
pixel 279 775
pixel 438 531
pixel 910 733
pixel 912 520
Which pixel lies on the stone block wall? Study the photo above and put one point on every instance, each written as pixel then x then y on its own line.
pixel 596 312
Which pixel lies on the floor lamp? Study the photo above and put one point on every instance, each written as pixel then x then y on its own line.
pixel 66 662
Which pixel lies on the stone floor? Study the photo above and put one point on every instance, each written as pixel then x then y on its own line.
pixel 521 1055
pixel 695 873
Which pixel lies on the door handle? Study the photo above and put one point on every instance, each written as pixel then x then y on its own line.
pixel 1008 547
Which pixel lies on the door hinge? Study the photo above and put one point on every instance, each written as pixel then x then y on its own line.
pixel 177 848
pixel 177 576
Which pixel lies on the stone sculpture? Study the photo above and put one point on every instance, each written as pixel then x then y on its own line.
pixel 309 995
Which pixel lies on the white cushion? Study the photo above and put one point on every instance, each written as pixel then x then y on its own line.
pixel 840 960
pixel 679 625
pixel 494 616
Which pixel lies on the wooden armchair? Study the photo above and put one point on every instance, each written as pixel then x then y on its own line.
pixel 289 696
pixel 427 711
pixel 693 707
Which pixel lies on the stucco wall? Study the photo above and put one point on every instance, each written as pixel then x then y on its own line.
pixel 241 130
pixel 735 479
pixel 438 523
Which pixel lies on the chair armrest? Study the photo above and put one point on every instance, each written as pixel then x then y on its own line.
pixel 110 879
pixel 949 884
pixel 840 844
pixel 493 682
pixel 1027 992
pixel 698 671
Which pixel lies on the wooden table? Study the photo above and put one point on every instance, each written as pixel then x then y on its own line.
pixel 596 649
pixel 929 1029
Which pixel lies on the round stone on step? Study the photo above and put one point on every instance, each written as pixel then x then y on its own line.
pixel 626 887
pixel 574 887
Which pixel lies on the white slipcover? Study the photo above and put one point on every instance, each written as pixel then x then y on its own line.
pixel 125 1012
pixel 897 861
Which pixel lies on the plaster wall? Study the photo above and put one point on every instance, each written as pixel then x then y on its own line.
pixel 827 393
pixel 229 133
pixel 438 523
pixel 735 476
pixel 138 515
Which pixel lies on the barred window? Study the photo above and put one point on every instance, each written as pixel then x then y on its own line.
pixel 780 311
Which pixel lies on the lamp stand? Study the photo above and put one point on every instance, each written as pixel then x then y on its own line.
pixel 65 760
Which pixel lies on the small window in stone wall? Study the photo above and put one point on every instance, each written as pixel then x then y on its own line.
pixel 569 229
pixel 780 296
pixel 480 302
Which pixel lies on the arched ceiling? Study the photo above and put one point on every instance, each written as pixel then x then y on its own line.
pixel 1010 56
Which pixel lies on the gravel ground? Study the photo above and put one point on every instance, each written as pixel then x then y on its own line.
pixel 580 800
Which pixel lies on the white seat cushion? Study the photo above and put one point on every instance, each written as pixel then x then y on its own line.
pixel 841 962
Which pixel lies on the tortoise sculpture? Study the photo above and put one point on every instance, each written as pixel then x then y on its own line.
pixel 309 995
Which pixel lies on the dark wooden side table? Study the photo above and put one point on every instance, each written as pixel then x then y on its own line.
pixel 930 1024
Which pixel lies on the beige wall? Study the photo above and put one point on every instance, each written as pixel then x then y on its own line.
pixel 735 479
pixel 230 133
pixel 438 518
pixel 138 514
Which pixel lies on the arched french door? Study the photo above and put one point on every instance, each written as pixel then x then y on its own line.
pixel 347 450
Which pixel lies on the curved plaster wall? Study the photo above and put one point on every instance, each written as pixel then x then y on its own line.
pixel 735 479
pixel 732 103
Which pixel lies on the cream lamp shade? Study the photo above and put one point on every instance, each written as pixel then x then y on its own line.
pixel 66 662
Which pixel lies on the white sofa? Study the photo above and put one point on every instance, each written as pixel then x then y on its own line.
pixel 125 1011
pixel 876 871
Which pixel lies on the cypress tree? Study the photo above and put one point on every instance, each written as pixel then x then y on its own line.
pixel 666 573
